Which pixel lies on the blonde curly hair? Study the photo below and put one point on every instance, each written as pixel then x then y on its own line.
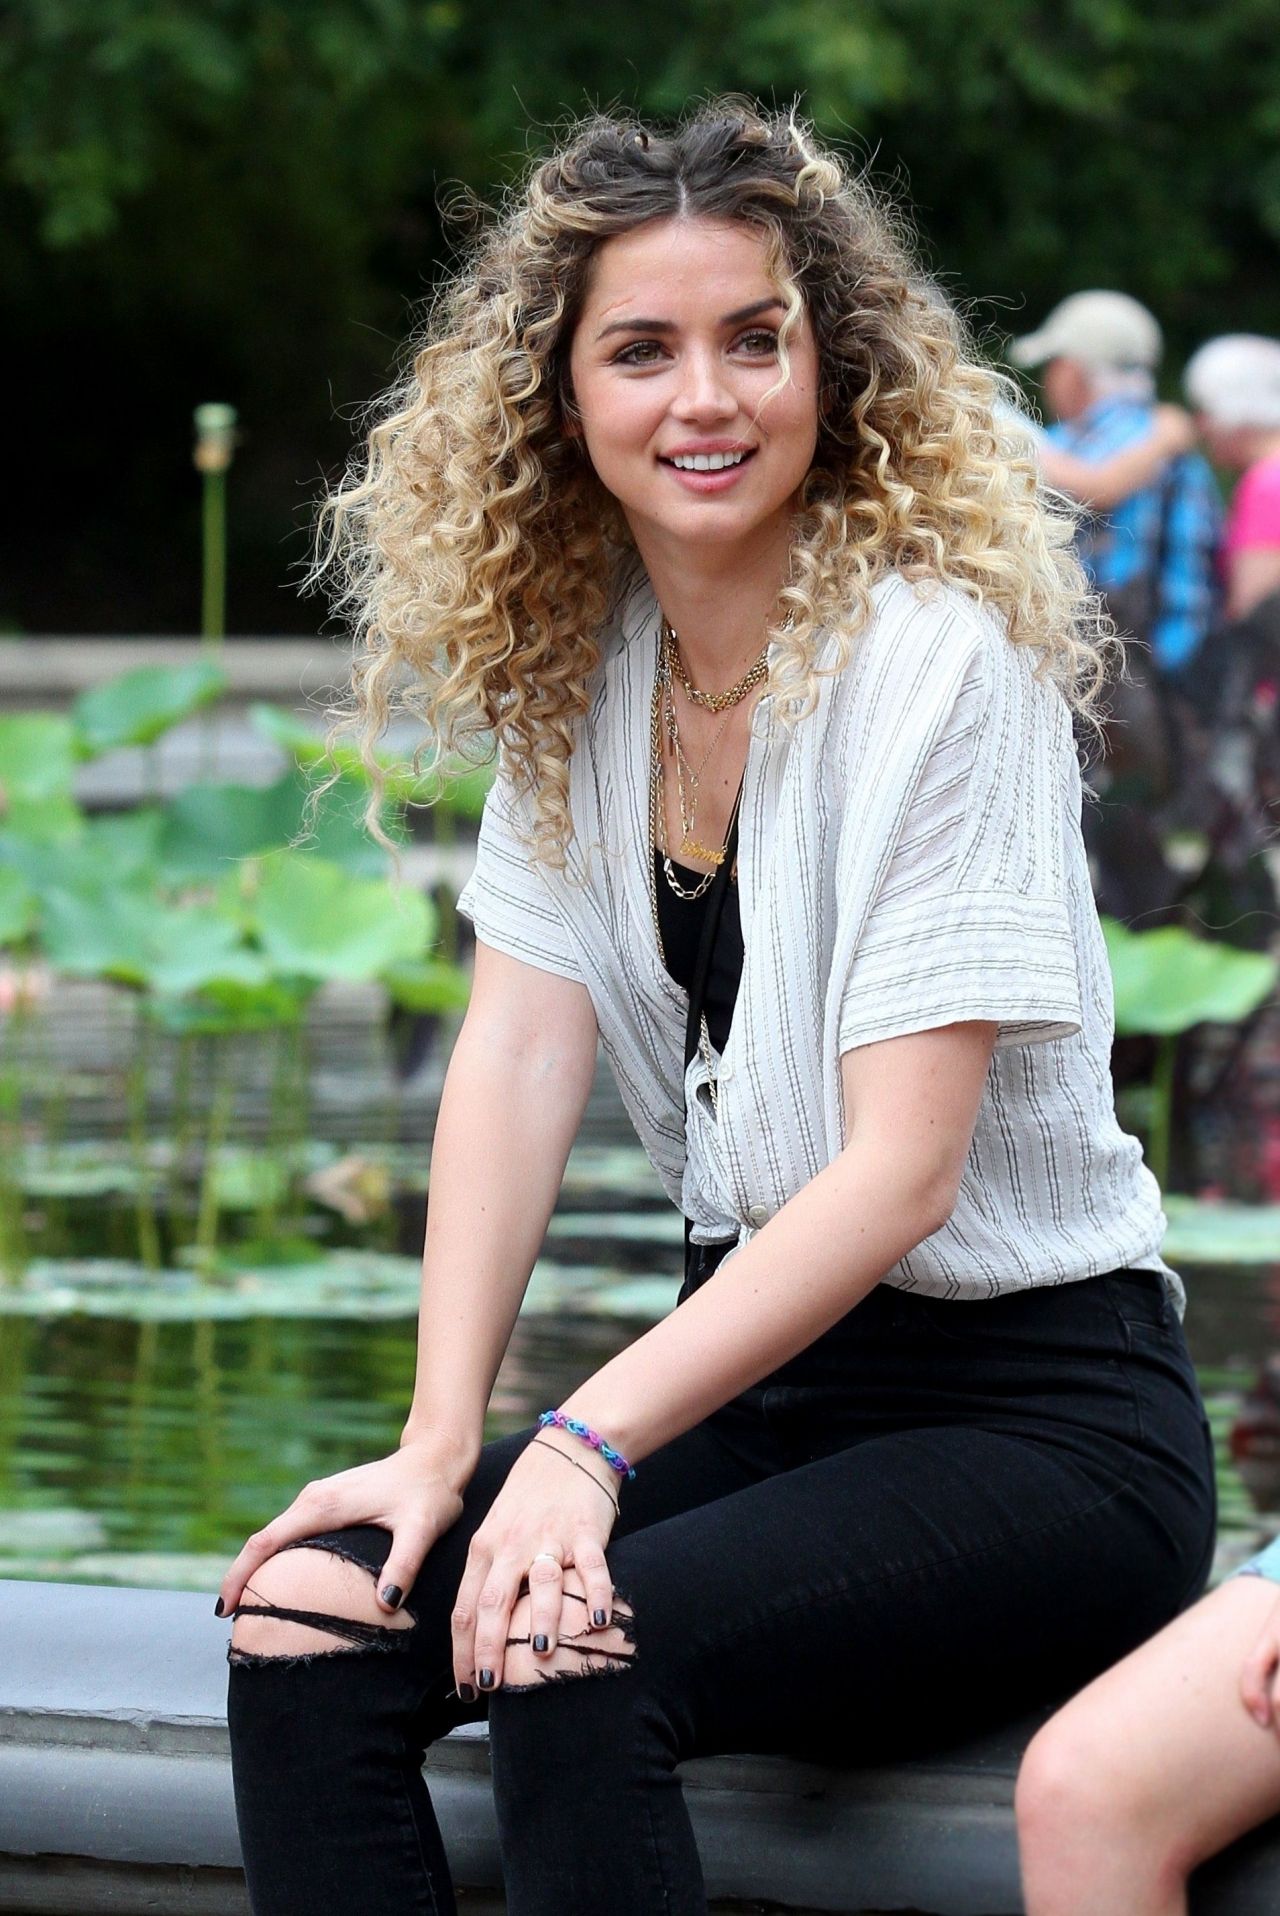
pixel 478 556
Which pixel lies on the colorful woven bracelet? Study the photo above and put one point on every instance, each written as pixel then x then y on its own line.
pixel 576 1428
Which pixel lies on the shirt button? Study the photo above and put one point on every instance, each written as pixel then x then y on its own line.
pixel 757 1214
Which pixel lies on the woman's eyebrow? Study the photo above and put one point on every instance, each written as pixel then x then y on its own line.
pixel 666 326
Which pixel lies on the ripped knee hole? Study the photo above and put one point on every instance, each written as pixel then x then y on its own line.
pixel 279 1625
pixel 582 1652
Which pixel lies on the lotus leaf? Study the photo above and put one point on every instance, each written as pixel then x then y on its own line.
pixel 467 790
pixel 244 1180
pixel 101 932
pixel 1217 1232
pixel 75 866
pixel 316 920
pixel 140 706
pixel 430 985
pixel 292 734
pixel 57 820
pixel 459 787
pixel 1166 981
pixel 37 757
pixel 17 906
pixel 208 828
pixel 126 843
pixel 229 1005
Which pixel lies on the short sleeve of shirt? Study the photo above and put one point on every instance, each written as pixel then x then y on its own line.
pixel 973 914
pixel 1255 512
pixel 508 897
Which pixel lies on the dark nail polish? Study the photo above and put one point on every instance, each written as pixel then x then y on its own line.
pixel 218 1610
pixel 468 1692
pixel 539 1642
pixel 392 1593
pixel 597 1616
pixel 486 1679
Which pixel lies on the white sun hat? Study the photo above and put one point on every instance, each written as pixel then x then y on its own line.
pixel 1100 329
pixel 1235 379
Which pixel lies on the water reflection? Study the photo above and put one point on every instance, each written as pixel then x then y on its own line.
pixel 145 1452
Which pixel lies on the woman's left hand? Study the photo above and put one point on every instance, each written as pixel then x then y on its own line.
pixel 544 1505
pixel 1260 1677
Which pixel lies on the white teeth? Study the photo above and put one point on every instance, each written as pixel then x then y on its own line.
pixel 707 461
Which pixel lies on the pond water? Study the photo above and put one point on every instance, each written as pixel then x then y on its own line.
pixel 143 1451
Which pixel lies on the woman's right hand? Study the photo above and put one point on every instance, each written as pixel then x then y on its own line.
pixel 416 1493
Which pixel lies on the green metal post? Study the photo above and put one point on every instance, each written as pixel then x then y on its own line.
pixel 215 442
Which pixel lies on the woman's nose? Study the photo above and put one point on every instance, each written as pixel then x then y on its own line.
pixel 705 392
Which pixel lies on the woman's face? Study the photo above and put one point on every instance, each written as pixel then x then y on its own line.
pixel 674 349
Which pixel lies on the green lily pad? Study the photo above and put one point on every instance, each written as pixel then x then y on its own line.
pixel 645 1298
pixel 318 921
pixel 1212 1232
pixel 140 706
pixel 243 1180
pixel 17 906
pixel 209 829
pixel 25 1532
pixel 37 757
pixel 433 984
pixel 250 1001
pixel 1166 981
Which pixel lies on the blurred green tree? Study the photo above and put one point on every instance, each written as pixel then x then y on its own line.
pixel 237 199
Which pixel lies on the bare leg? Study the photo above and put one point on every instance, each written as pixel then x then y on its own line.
pixel 1152 1769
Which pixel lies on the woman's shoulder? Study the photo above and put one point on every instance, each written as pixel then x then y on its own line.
pixel 923 635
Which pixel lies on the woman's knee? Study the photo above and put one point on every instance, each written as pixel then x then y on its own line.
pixel 1079 1796
pixel 313 1600
pixel 581 1650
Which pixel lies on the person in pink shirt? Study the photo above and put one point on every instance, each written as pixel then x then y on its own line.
pixel 1175 1751
pixel 1234 385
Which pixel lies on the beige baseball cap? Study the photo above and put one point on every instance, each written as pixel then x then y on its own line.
pixel 1097 328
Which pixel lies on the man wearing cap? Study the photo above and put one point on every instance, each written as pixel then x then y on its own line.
pixel 1152 554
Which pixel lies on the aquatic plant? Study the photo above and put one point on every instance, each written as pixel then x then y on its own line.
pixel 221 911
pixel 1168 981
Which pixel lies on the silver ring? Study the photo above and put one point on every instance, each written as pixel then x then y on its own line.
pixel 547 1553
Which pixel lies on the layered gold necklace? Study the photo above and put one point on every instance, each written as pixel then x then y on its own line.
pixel 663 718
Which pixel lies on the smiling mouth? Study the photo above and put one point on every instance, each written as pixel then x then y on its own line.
pixel 709 461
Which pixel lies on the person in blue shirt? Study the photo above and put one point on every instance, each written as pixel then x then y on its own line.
pixel 1153 552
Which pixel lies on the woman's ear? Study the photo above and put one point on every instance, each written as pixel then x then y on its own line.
pixel 570 417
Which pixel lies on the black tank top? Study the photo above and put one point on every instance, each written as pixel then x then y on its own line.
pixel 681 920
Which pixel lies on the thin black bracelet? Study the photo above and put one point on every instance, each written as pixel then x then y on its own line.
pixel 555 1448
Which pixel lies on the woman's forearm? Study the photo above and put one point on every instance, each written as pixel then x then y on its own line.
pixel 821 1253
pixel 509 1112
pixel 912 1103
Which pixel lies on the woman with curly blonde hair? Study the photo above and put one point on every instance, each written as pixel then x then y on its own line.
pixel 697 500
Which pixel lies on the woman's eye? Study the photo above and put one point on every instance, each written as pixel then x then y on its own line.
pixel 760 340
pixel 637 353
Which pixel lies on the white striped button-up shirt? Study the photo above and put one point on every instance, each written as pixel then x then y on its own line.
pixel 909 856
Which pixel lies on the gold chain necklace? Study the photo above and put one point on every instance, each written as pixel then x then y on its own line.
pixel 688 802
pixel 661 687
pixel 657 832
pixel 712 701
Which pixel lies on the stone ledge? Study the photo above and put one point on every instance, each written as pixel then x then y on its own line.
pixel 115 1791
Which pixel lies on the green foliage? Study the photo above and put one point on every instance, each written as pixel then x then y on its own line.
pixel 428 985
pixel 1166 981
pixel 138 707
pixel 450 787
pixel 314 920
pixel 177 167
pixel 17 906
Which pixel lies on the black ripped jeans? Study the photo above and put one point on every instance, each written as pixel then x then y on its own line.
pixel 936 1517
